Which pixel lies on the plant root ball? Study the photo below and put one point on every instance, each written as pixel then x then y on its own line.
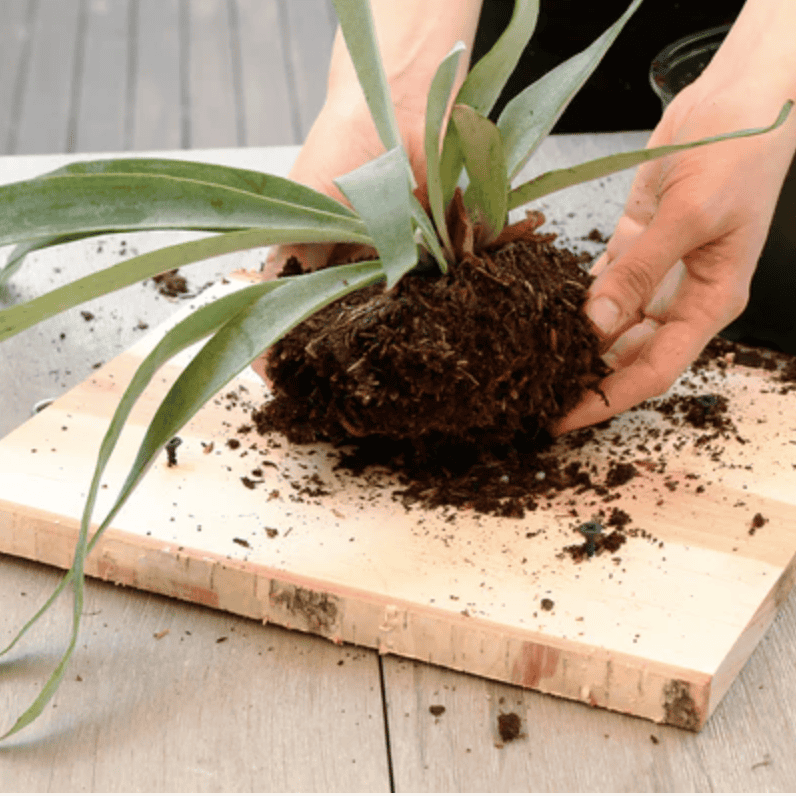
pixel 497 347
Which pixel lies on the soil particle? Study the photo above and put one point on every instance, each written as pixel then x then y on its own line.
pixel 618 518
pixel 509 727
pixel 758 521
pixel 547 604
pixel 171 284
pixel 608 543
pixel 619 474
pixel 436 710
pixel 596 236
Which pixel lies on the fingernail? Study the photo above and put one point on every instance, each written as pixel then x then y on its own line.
pixel 604 314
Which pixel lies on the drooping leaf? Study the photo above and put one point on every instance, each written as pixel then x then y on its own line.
pixel 22 316
pixel 438 99
pixel 246 180
pixel 77 203
pixel 600 167
pixel 379 191
pixel 256 182
pixel 485 161
pixel 242 330
pixel 531 115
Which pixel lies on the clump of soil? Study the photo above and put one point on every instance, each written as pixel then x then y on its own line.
pixel 509 727
pixel 171 283
pixel 496 348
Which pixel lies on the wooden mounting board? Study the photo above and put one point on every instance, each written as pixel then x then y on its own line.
pixel 659 629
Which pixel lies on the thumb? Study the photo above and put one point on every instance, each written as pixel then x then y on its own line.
pixel 626 285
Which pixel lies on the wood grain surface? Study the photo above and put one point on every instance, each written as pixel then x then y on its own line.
pixel 276 532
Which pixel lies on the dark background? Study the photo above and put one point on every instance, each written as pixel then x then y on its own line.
pixel 618 95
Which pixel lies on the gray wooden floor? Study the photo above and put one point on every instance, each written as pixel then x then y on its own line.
pixel 112 75
pixel 167 696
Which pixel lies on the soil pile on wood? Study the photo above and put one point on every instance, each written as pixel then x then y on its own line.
pixel 496 348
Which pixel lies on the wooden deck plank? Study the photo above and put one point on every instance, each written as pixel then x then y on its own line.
pixel 157 113
pixel 201 701
pixel 14 39
pixel 746 747
pixel 101 115
pixel 49 90
pixel 310 30
pixel 266 97
pixel 213 89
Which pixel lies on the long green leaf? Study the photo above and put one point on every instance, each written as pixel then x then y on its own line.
pixel 70 204
pixel 359 32
pixel 487 78
pixel 380 193
pixel 529 117
pixel 438 98
pixel 22 316
pixel 255 182
pixel 600 167
pixel 485 160
pixel 246 180
pixel 484 83
pixel 200 324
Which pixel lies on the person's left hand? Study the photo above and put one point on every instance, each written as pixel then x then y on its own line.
pixel 678 267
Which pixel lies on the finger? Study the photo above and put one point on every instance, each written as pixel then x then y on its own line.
pixel 312 256
pixel 630 281
pixel 660 356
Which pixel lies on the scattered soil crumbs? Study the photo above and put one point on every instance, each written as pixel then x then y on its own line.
pixel 503 464
pixel 607 543
pixel 509 727
pixel 171 283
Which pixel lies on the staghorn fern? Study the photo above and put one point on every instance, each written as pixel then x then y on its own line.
pixel 246 209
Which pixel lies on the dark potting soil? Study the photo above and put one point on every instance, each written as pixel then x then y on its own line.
pixel 337 382
pixel 492 352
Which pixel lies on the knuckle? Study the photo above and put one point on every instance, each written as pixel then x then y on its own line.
pixel 635 279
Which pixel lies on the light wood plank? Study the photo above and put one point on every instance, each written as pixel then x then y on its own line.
pixel 49 91
pixel 398 580
pixel 265 93
pixel 310 31
pixel 163 696
pixel 102 112
pixel 735 582
pixel 14 39
pixel 158 111
pixel 212 88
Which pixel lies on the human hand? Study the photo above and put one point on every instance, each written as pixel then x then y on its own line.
pixel 343 138
pixel 679 265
